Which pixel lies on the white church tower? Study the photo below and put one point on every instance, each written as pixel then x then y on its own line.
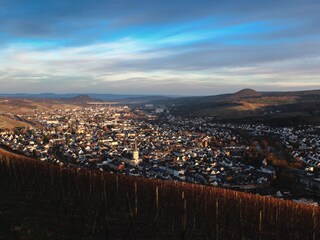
pixel 135 157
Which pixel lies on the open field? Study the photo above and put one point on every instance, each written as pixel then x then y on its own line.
pixel 9 123
pixel 25 106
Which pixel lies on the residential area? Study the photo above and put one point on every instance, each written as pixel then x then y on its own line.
pixel 150 142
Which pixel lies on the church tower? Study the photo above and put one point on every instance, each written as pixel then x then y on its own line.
pixel 135 156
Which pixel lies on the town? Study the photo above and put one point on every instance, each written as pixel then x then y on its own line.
pixel 148 141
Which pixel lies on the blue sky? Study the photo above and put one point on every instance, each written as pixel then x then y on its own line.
pixel 185 47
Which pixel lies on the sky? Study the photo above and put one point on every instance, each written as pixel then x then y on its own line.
pixel 168 47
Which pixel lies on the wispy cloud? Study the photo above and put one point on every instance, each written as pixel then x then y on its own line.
pixel 198 47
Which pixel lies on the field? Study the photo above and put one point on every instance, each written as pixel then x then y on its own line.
pixel 20 106
pixel 73 203
pixel 9 123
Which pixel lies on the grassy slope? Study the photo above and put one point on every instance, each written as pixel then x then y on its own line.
pixel 19 106
pixel 9 123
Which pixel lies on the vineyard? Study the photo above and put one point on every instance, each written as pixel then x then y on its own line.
pixel 109 206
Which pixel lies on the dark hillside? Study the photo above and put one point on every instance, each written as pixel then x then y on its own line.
pixel 80 99
pixel 73 203
pixel 245 93
pixel 248 103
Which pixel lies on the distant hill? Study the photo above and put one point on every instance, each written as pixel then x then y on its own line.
pixel 245 93
pixel 81 99
pixel 99 96
pixel 143 99
pixel 299 106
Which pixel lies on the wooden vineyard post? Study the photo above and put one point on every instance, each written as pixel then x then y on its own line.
pixel 241 218
pixel 260 223
pixel 105 208
pixel 217 219
pixel 184 217
pixel 154 229
pixel 117 179
pixel 90 182
pixel 157 199
pixel 314 223
pixel 135 198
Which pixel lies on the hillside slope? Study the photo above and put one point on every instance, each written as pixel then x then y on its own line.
pixel 70 203
pixel 250 103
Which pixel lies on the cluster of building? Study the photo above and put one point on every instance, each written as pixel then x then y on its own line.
pixel 152 143
pixel 124 140
pixel 301 143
